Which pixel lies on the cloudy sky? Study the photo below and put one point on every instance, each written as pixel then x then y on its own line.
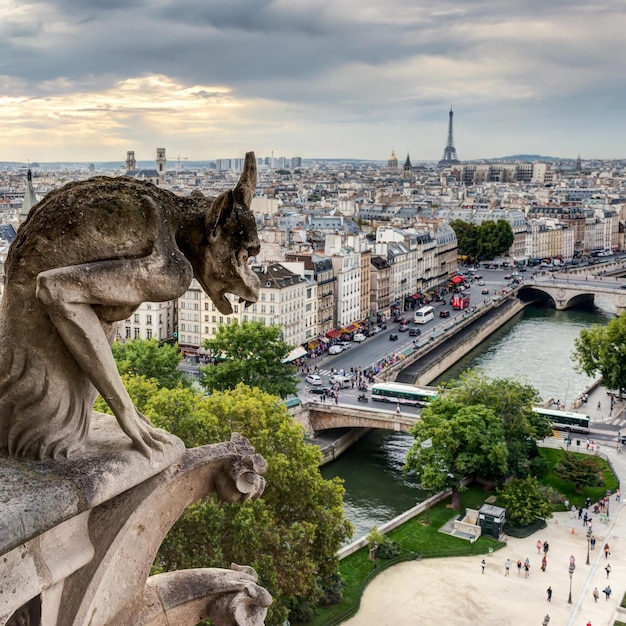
pixel 87 80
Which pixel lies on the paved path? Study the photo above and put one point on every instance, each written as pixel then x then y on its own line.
pixel 453 591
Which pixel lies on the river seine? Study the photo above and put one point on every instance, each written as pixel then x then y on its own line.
pixel 535 346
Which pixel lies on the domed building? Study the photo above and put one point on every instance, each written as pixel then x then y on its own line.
pixel 392 162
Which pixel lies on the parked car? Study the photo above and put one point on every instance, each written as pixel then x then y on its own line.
pixel 358 337
pixel 485 291
pixel 336 349
pixel 375 330
pixel 346 345
pixel 393 337
pixel 444 313
pixel 314 379
pixel 319 390
pixel 382 326
pixel 414 331
pixel 403 328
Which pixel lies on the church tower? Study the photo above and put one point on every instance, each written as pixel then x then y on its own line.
pixel 30 197
pixel 161 164
pixel 131 164
pixel 406 170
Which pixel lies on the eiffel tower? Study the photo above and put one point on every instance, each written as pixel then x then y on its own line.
pixel 449 152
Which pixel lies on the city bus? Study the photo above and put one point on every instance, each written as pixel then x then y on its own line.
pixel 564 420
pixel 402 393
pixel 460 301
pixel 423 315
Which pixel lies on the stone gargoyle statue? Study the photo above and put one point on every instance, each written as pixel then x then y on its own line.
pixel 85 258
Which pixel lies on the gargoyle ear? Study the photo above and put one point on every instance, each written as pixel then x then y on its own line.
pixel 218 212
pixel 244 191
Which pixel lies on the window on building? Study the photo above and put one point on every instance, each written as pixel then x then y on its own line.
pixel 149 333
pixel 128 332
pixel 136 318
pixel 136 334
pixel 148 319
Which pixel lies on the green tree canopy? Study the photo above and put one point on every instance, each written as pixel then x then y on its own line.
pixel 453 441
pixel 511 401
pixel 582 470
pixel 290 535
pixel 602 350
pixel 525 501
pixel 485 240
pixel 145 357
pixel 252 354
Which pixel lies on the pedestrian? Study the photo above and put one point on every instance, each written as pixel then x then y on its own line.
pixel 588 499
pixel 596 594
pixel 607 569
pixel 607 550
pixel 573 511
pixel 544 563
pixel 580 512
pixel 546 547
pixel 539 546
pixel 507 567
pixel 519 567
pixel 599 405
pixel 585 518
pixel 618 495
pixel 482 565
pixel 526 567
pixel 398 409
pixel 566 504
pixel 607 592
pixel 549 592
pixel 592 541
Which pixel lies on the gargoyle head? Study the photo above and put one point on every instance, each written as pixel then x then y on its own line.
pixel 232 238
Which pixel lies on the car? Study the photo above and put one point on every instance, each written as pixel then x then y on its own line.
pixel 507 277
pixel 403 328
pixel 319 390
pixel 393 337
pixel 444 313
pixel 398 318
pixel 481 283
pixel 358 337
pixel 622 286
pixel 346 345
pixel 336 349
pixel 485 291
pixel 313 379
pixel 414 331
pixel 375 330
pixel 382 326
pixel 342 381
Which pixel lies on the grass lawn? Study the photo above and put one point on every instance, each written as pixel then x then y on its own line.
pixel 417 535
pixel 567 488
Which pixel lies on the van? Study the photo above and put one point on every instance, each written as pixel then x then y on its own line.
pixel 336 349
pixel 342 381
pixel 358 337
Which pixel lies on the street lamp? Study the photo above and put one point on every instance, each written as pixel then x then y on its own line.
pixel 588 540
pixel 570 569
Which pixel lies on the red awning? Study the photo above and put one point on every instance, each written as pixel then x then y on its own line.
pixel 457 280
pixel 350 329
pixel 333 334
pixel 416 296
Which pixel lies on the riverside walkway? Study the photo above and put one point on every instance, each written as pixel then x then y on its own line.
pixel 454 591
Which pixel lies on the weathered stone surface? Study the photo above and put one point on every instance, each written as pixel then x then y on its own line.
pixel 38 495
pixel 86 257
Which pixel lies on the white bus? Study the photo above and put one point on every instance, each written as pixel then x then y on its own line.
pixel 564 420
pixel 402 393
pixel 423 315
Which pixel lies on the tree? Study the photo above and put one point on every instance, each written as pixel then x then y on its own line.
pixel 511 401
pixel 145 357
pixel 291 535
pixel 602 349
pixel 252 354
pixel 454 441
pixel 484 241
pixel 583 471
pixel 525 501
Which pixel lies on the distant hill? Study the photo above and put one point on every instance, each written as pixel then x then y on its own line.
pixel 528 157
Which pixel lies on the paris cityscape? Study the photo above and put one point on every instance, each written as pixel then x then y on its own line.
pixel 440 203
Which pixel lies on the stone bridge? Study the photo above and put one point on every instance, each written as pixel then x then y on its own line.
pixel 327 416
pixel 566 293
